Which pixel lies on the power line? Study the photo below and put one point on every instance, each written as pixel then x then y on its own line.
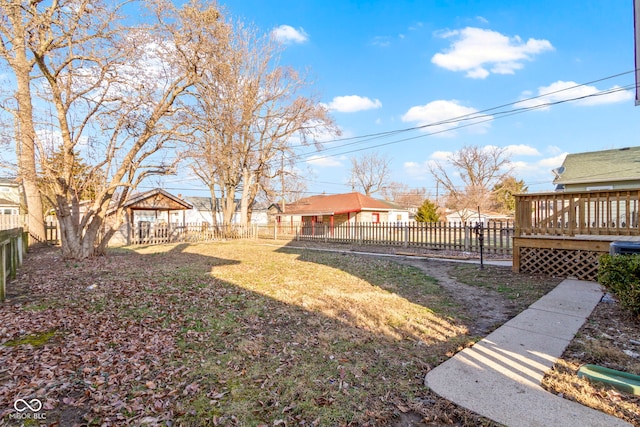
pixel 466 120
pixel 477 118
pixel 470 115
pixel 474 119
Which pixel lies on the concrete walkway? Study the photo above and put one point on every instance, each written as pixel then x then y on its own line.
pixel 499 377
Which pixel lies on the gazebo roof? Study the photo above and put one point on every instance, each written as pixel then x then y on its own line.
pixel 157 199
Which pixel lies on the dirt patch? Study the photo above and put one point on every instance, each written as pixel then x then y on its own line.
pixel 484 308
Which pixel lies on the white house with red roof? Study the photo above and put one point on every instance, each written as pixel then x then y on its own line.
pixel 337 209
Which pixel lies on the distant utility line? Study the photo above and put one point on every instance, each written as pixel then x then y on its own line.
pixel 472 119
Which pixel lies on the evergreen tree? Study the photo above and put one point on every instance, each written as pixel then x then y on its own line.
pixel 427 212
pixel 503 194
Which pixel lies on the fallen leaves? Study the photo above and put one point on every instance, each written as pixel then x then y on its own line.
pixel 155 339
pixel 104 360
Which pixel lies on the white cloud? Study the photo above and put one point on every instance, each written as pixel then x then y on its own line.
pixel 325 161
pixel 353 103
pixel 480 52
pixel 442 117
pixel 288 35
pixel 538 171
pixel 553 162
pixel 441 155
pixel 522 150
pixel 381 41
pixel 416 170
pixel 563 91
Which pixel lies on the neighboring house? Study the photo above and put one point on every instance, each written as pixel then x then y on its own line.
pixel 599 170
pixel 10 205
pixel 473 217
pixel 398 213
pixel 9 197
pixel 202 208
pixel 338 209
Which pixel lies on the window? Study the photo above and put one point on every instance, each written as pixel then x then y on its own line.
pixel 375 217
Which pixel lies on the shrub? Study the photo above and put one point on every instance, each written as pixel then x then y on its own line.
pixel 620 274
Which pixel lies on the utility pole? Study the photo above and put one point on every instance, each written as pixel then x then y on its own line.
pixel 282 181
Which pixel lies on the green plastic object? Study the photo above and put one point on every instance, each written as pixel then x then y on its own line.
pixel 622 381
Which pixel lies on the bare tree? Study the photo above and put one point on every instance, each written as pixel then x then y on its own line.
pixel 249 114
pixel 289 185
pixel 115 93
pixel 15 30
pixel 370 172
pixel 478 169
pixel 404 195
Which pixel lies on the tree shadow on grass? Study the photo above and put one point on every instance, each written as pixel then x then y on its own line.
pixel 407 282
pixel 155 334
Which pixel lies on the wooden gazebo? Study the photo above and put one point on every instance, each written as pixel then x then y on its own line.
pixel 149 216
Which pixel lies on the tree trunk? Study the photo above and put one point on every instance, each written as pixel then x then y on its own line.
pixel 26 139
pixel 229 208
pixel 247 178
pixel 214 206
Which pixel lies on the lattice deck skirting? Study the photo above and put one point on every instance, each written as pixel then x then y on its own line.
pixel 581 264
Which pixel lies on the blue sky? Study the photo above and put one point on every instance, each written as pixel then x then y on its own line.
pixel 382 66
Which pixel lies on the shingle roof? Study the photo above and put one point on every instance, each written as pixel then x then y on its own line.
pixel 335 204
pixel 204 204
pixel 621 164
pixel 8 181
pixel 200 203
pixel 7 202
pixel 137 198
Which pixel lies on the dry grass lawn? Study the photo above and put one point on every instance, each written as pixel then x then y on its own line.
pixel 236 333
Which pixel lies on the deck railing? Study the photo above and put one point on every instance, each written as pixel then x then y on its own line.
pixel 9 222
pixel 12 250
pixel 603 212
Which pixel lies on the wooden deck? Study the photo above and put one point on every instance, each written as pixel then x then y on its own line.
pixel 564 234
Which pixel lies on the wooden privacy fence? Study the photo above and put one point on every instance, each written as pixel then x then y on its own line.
pixel 51 233
pixel 458 236
pixel 436 236
pixel 12 249
pixel 148 233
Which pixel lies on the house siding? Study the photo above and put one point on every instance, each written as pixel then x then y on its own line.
pixel 611 185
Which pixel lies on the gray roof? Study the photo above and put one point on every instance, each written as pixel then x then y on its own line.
pixel 200 203
pixel 622 164
pixel 204 204
pixel 8 182
pixel 8 202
